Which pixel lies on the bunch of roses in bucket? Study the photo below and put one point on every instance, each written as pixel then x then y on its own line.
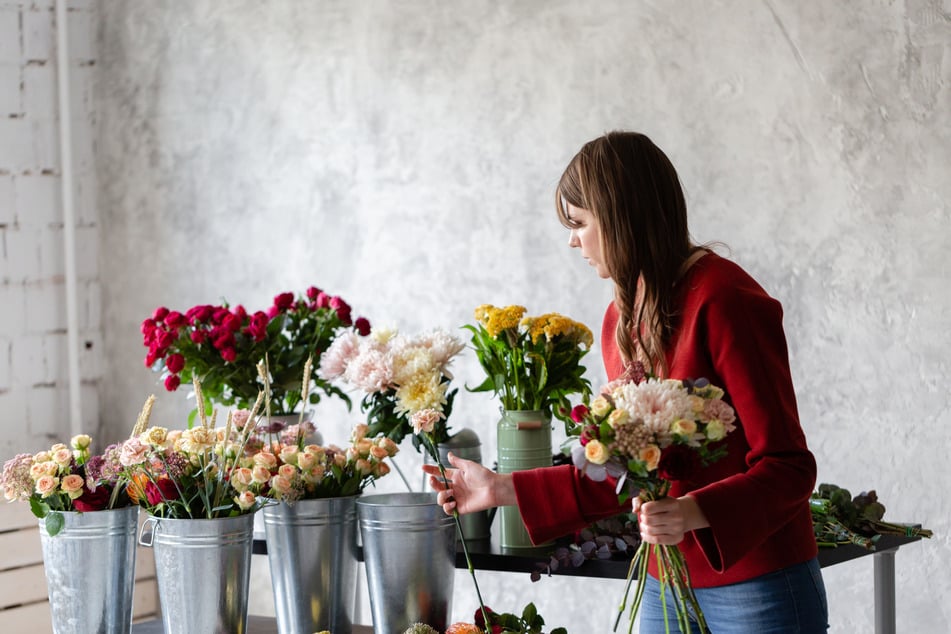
pixel 190 473
pixel 65 478
pixel 647 434
pixel 399 375
pixel 531 363
pixel 281 467
pixel 222 346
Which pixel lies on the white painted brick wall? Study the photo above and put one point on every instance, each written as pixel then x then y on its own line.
pixel 34 378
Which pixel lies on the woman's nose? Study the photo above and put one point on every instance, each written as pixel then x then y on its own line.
pixel 573 239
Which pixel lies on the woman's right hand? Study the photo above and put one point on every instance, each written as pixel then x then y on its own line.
pixel 470 487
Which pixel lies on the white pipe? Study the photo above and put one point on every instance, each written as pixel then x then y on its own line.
pixel 69 217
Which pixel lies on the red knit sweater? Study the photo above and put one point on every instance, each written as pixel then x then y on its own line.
pixel 729 331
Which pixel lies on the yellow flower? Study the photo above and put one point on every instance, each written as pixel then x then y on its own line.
pixel 495 320
pixel 596 452
pixel 198 440
pixel 154 436
pixel 425 391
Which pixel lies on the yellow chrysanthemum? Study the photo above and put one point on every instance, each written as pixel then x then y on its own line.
pixel 495 320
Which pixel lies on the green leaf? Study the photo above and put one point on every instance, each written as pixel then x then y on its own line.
pixel 54 523
pixel 40 509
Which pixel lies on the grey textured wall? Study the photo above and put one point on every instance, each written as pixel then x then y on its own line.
pixel 403 155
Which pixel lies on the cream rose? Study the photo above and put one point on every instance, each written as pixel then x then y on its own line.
pixel 650 455
pixel 80 442
pixel 600 406
pixel 245 500
pixel 280 486
pixel 716 430
pixel 618 417
pixel 155 436
pixel 260 475
pixel 46 485
pixel 63 457
pixel 72 485
pixel 596 452
pixel 683 427
pixel 241 479
pixel 265 459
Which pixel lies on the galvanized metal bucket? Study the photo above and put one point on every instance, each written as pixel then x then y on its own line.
pixel 465 444
pixel 409 548
pixel 524 442
pixel 90 571
pixel 312 555
pixel 202 568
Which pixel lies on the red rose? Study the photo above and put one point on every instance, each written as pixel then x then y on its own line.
pixel 229 354
pixel 362 326
pixel 232 323
pixel 160 491
pixel 172 381
pixel 175 320
pixel 92 500
pixel 283 301
pixel 152 356
pixel 199 314
pixel 322 300
pixel 175 363
pixel 147 327
pixel 678 462
pixel 239 312
pixel 159 313
pixel 577 413
pixel 342 308
pixel 313 292
pixel 219 313
pixel 198 336
pixel 164 338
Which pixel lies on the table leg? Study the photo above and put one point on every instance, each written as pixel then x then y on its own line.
pixel 884 567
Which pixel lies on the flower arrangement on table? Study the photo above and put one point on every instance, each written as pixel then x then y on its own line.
pixel 221 347
pixel 191 473
pixel 531 363
pixel 65 479
pixel 647 434
pixel 528 622
pixel 399 375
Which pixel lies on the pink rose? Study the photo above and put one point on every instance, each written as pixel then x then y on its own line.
pixel 229 354
pixel 172 381
pixel 198 336
pixel 219 313
pixel 160 491
pixel 160 313
pixel 322 300
pixel 232 323
pixel 313 292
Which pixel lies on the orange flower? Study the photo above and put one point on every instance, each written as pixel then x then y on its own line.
pixel 463 628
pixel 136 487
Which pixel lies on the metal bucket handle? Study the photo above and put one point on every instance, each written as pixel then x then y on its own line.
pixel 152 523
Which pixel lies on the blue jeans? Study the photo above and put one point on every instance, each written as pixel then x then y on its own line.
pixel 788 601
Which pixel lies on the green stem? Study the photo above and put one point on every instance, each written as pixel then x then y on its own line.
pixel 431 446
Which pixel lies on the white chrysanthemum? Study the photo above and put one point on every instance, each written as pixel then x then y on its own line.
pixel 657 403
pixel 410 361
pixel 443 347
pixel 423 392
pixel 371 371
pixel 334 361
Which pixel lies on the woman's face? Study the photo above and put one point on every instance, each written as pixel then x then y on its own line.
pixel 586 235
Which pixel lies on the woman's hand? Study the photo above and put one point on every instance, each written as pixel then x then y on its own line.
pixel 667 520
pixel 470 487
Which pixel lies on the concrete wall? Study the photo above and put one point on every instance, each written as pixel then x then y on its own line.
pixel 403 155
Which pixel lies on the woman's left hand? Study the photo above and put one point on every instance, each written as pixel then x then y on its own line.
pixel 667 520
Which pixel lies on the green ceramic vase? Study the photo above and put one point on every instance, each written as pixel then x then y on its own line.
pixel 524 442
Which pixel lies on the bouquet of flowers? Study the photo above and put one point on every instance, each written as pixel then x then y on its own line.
pixel 65 479
pixel 647 434
pixel 531 363
pixel 839 518
pixel 188 474
pixel 222 346
pixel 282 467
pixel 399 376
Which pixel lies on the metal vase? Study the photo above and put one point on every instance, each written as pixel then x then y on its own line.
pixel 312 555
pixel 202 567
pixel 464 444
pixel 90 571
pixel 409 547
pixel 524 442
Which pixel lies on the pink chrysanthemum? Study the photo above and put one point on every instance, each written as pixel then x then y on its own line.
pixel 371 371
pixel 657 403
pixel 334 362
pixel 16 481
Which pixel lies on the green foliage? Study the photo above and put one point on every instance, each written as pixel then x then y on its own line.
pixel 838 518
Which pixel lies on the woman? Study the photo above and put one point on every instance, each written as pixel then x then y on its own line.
pixel 743 523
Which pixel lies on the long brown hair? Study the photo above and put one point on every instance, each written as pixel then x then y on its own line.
pixel 634 193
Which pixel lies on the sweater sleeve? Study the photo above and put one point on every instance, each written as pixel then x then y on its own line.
pixel 747 347
pixel 555 501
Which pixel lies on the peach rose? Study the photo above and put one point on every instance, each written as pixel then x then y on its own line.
pixel 596 452
pixel 245 500
pixel 46 485
pixel 650 455
pixel 72 485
